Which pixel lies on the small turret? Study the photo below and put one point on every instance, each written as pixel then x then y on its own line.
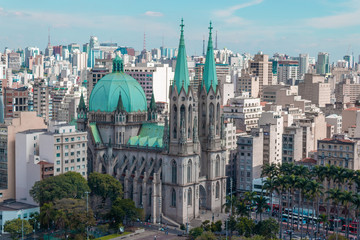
pixel 152 114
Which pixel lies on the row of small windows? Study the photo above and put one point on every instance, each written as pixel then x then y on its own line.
pixel 72 139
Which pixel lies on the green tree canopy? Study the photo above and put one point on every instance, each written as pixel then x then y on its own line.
pixel 267 228
pixel 196 232
pixel 16 226
pixel 206 236
pixel 105 186
pixel 68 185
pixel 124 209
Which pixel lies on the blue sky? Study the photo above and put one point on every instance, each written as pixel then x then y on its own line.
pixel 284 26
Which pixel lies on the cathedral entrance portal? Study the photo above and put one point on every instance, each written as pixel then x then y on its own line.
pixel 202 199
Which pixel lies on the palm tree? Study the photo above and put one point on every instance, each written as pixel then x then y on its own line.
pixel 261 205
pixel 315 190
pixel 270 186
pixel 356 206
pixel 270 170
pixel 291 180
pixel 324 219
pixel 330 173
pixel 282 186
pixel 346 199
pixel 242 209
pixel 300 184
pixel 334 194
pixel 301 171
pixel 319 173
pixel 249 197
pixel 46 214
pixel 230 204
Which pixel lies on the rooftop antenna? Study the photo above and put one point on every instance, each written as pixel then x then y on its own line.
pixel 144 41
pixel 49 44
pixel 203 45
pixel 216 46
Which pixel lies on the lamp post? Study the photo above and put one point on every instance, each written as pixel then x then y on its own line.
pixel 87 211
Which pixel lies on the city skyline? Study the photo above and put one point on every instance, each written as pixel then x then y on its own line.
pixel 243 26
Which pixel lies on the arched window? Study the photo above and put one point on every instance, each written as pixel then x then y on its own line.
pixel 173 172
pixel 150 197
pixel 217 190
pixel 175 121
pixel 189 171
pixel 189 121
pixel 217 166
pixel 173 198
pixel 211 113
pixel 140 196
pixel 204 115
pixel 182 116
pixel 217 118
pixel 189 196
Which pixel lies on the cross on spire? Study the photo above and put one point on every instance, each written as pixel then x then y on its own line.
pixel 182 25
pixel 210 28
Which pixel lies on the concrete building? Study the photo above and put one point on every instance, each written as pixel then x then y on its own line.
pixel 349 117
pixel 261 67
pixel 292 144
pixel 15 100
pixel 153 78
pixel 94 75
pixel 22 121
pixel 336 121
pixel 315 89
pixel 288 72
pixel 42 101
pixel 245 111
pixel 272 124
pixel 65 147
pixel 303 65
pixel 247 83
pixel 347 91
pixel 248 160
pixel 14 61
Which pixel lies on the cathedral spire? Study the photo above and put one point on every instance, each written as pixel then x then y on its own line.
pixel 82 105
pixel 152 103
pixel 118 65
pixel 181 78
pixel 209 76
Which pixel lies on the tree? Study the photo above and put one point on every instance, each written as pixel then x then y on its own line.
pixel 270 186
pixel 17 227
pixel 245 226
pixel 261 205
pixel 34 220
pixel 206 225
pixel 68 185
pixel 71 214
pixel 267 228
pixel 356 205
pixel 324 219
pixel 47 213
pixel 196 232
pixel 346 198
pixel 334 194
pixel 105 186
pixel 230 204
pixel 216 227
pixel 242 209
pixel 206 236
pixel 124 210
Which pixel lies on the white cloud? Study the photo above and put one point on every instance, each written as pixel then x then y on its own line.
pixel 231 10
pixel 153 14
pixel 347 19
pixel 7 13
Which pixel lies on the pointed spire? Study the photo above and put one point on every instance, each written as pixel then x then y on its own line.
pixel 82 105
pixel 181 78
pixel 209 76
pixel 120 105
pixel 152 103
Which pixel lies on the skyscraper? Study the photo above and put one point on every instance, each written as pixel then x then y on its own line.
pixel 303 65
pixel 323 65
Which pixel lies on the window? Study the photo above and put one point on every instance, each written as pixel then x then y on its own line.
pixel 173 172
pixel 189 195
pixel 149 199
pixel 77 167
pixel 72 160
pixel 66 146
pixel 66 139
pixel 217 166
pixel 78 160
pixel 58 140
pixel 58 155
pixel 66 154
pixel 83 166
pixel 58 162
pixel 58 170
pixel 72 168
pixel 217 190
pixel 189 171
pixel 173 198
pixel 66 169
pixel 72 139
pixel 57 147
pixel 66 161
pixel 78 138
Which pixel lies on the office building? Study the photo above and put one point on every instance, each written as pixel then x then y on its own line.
pixel 315 89
pixel 323 63
pixel 261 67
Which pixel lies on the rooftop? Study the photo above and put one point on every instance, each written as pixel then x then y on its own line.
pixel 15 206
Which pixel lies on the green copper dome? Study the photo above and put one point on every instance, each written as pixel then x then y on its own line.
pixel 105 95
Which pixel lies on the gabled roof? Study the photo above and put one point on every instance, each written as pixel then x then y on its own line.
pixel 150 135
pixel 95 133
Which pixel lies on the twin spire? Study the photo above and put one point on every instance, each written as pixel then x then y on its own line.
pixel 181 78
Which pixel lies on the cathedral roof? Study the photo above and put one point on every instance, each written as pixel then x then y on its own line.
pixel 105 95
pixel 95 133
pixel 150 135
pixel 209 76
pixel 181 77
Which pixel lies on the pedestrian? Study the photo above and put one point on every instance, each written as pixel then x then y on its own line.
pixel 155 237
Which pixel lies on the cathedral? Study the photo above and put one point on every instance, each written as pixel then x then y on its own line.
pixel 172 170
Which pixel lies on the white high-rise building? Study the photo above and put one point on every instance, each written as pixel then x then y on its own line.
pixel 303 64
